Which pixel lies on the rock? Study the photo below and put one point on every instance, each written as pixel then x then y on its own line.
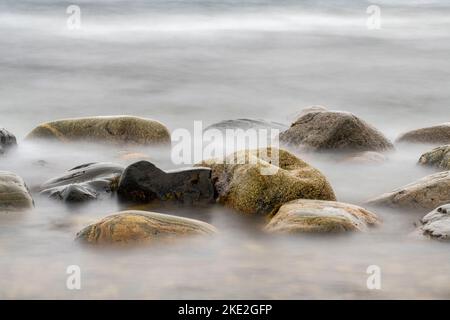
pixel 142 181
pixel 257 186
pixel 438 157
pixel 436 224
pixel 334 130
pixel 14 194
pixel 85 182
pixel 314 108
pixel 366 157
pixel 320 216
pixel 7 141
pixel 110 129
pixel 426 193
pixel 141 226
pixel 133 156
pixel 246 124
pixel 439 134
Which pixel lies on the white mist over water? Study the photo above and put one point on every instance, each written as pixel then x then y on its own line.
pixel 180 61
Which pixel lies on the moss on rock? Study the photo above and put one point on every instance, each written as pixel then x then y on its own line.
pixel 111 129
pixel 242 183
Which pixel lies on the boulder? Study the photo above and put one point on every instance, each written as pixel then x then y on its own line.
pixel 251 182
pixel 246 124
pixel 141 227
pixel 142 181
pixel 110 129
pixel 334 130
pixel 86 182
pixel 320 216
pixel 439 134
pixel 436 224
pixel 438 157
pixel 7 141
pixel 426 193
pixel 14 194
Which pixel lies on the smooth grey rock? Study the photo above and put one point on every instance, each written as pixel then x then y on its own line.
pixel 84 182
pixel 246 124
pixel 436 224
pixel 7 141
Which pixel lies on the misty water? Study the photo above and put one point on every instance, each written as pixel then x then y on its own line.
pixel 181 61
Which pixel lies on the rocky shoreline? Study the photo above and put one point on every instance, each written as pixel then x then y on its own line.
pixel 296 198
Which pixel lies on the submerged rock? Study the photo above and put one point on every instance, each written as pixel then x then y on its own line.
pixel 439 134
pixel 141 226
pixel 7 141
pixel 110 129
pixel 246 124
pixel 366 157
pixel 334 130
pixel 143 181
pixel 14 194
pixel 250 182
pixel 85 182
pixel 438 157
pixel 426 193
pixel 436 224
pixel 320 216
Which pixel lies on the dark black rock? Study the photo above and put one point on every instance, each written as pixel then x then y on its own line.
pixel 143 181
pixel 72 193
pixel 84 182
pixel 7 141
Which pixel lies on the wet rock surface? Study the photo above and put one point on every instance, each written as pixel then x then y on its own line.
pixel 252 183
pixel 143 182
pixel 334 130
pixel 314 216
pixel 141 227
pixel 109 129
pixel 14 194
pixel 85 182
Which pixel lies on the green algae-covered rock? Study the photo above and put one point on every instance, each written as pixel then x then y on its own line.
pixel 141 226
pixel 248 182
pixel 110 129
pixel 318 216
